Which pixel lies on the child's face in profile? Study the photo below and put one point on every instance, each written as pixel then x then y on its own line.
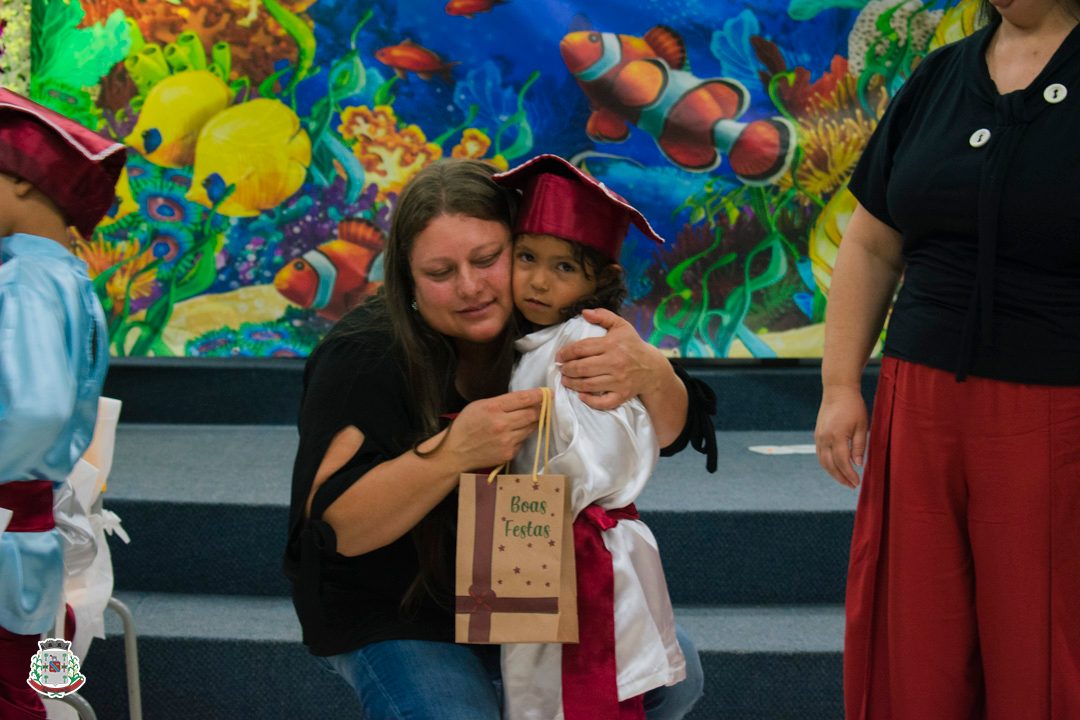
pixel 547 278
pixel 16 203
pixel 9 203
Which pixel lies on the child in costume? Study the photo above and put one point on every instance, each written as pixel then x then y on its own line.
pixel 569 231
pixel 54 173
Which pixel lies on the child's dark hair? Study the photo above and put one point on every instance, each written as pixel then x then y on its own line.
pixel 610 287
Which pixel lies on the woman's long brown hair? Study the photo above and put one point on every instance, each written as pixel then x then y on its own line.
pixel 447 187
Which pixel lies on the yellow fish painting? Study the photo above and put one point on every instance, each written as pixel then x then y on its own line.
pixel 174 112
pixel 260 148
pixel 826 235
pixel 959 22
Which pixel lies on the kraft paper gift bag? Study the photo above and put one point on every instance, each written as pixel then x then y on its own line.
pixel 516 580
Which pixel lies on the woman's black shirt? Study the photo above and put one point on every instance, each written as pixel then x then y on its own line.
pixel 990 226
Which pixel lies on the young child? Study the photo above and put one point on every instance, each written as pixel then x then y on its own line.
pixel 53 356
pixel 569 231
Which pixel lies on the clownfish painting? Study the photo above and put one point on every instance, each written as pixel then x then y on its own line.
pixel 334 277
pixel 639 81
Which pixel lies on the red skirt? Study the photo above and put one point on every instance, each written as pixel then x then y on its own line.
pixel 963 596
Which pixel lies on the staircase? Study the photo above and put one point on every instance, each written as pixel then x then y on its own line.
pixel 755 554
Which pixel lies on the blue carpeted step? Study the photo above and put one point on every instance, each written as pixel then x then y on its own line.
pixel 206 507
pixel 751 395
pixel 211 657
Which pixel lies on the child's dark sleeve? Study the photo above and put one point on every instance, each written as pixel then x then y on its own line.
pixel 698 431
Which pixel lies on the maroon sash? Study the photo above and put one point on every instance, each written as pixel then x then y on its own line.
pixel 31 501
pixel 589 676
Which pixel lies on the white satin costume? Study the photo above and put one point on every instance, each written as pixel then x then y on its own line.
pixel 607 457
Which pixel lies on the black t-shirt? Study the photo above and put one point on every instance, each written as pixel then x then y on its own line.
pixel 990 226
pixel 346 602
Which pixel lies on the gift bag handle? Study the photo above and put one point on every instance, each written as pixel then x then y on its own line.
pixel 543 428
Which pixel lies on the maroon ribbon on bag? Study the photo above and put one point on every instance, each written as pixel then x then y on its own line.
pixel 31 502
pixel 589 675
pixel 482 601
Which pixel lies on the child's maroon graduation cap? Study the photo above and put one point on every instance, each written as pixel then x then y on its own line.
pixel 74 167
pixel 561 200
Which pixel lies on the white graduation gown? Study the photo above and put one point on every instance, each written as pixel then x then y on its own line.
pixel 607 457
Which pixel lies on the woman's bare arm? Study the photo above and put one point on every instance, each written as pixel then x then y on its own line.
pixel 864 281
pixel 391 498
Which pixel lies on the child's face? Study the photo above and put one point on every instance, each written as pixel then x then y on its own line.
pixel 547 278
pixel 17 204
pixel 9 203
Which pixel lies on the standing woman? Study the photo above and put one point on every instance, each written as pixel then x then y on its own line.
pixel 372 521
pixel 964 577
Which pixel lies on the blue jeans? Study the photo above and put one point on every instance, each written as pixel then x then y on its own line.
pixel 422 680
pixel 675 701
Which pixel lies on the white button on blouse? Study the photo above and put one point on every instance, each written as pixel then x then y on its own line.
pixel 1055 93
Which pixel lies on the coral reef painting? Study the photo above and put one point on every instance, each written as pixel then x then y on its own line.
pixel 270 140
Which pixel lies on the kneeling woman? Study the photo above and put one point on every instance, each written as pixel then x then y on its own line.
pixel 371 528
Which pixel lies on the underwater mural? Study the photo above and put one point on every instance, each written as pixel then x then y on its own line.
pixel 15 45
pixel 270 140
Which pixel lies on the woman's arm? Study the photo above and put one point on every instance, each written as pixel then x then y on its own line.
pixel 391 498
pixel 621 365
pixel 868 268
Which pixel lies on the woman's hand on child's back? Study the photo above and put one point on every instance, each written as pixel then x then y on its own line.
pixel 607 371
pixel 489 432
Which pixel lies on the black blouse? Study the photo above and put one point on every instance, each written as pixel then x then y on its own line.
pixel 346 602
pixel 985 190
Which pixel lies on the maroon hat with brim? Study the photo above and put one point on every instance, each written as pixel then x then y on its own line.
pixel 561 200
pixel 74 167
